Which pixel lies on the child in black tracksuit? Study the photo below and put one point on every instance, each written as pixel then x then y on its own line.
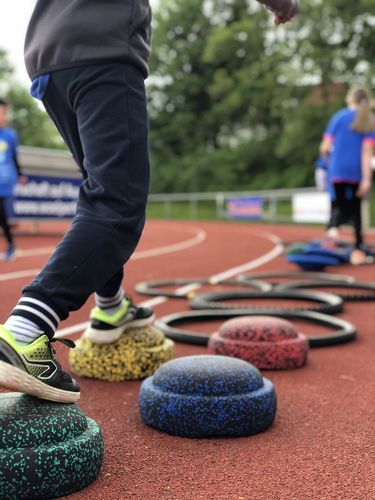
pixel 88 60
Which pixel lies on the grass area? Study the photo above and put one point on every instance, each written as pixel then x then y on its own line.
pixel 206 210
pixel 203 210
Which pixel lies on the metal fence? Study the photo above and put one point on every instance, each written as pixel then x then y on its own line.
pixel 276 202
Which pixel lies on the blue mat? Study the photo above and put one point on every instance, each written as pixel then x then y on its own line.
pixel 313 262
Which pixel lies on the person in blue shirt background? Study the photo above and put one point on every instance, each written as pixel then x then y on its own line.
pixel 10 173
pixel 348 143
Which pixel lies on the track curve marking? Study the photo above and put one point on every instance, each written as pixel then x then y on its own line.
pixel 252 264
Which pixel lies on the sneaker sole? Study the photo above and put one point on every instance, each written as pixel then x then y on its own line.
pixel 111 336
pixel 15 379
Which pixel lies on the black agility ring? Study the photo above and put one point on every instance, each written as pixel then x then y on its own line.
pixel 303 275
pixel 365 287
pixel 344 331
pixel 328 302
pixel 154 288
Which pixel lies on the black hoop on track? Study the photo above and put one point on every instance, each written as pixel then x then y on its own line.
pixel 328 302
pixel 294 285
pixel 344 331
pixel 312 275
pixel 152 287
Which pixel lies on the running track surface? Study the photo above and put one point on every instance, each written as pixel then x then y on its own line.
pixel 322 444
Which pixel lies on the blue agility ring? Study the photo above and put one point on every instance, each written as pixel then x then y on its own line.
pixel 208 396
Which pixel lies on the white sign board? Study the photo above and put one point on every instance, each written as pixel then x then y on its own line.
pixel 311 207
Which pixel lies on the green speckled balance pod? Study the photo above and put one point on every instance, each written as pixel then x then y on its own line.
pixel 47 450
pixel 136 355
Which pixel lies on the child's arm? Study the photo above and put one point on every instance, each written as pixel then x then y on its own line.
pixel 284 10
pixel 326 146
pixel 367 154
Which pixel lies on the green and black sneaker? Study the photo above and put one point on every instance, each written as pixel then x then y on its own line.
pixel 106 328
pixel 34 370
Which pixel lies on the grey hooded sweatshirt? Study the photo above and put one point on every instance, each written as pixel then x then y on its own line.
pixel 67 33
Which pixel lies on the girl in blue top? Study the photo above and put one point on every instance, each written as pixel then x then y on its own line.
pixel 349 142
pixel 9 173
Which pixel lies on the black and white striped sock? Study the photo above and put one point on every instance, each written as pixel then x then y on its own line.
pixel 110 304
pixel 30 319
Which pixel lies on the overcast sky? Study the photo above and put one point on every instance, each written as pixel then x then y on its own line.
pixel 14 19
pixel 15 16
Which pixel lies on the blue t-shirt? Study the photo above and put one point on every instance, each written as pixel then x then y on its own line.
pixel 8 169
pixel 346 154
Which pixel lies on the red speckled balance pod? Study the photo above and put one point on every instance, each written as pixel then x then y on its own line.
pixel 267 342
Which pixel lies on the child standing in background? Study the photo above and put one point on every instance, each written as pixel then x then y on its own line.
pixel 349 142
pixel 10 172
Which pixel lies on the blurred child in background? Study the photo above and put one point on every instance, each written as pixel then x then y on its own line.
pixel 9 173
pixel 348 144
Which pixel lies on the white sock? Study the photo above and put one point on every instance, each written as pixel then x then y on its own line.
pixel 30 319
pixel 24 330
pixel 110 304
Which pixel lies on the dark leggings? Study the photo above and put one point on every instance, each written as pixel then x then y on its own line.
pixel 4 222
pixel 347 208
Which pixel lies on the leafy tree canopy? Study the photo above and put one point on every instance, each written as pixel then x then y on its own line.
pixel 238 103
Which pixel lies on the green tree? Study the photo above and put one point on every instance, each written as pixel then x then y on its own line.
pixel 238 103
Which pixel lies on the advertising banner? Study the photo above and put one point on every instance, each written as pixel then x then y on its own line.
pixel 44 198
pixel 311 207
pixel 245 207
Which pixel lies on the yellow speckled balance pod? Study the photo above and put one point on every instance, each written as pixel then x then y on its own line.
pixel 136 355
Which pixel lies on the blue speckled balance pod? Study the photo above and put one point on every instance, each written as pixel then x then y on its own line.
pixel 206 396
pixel 47 450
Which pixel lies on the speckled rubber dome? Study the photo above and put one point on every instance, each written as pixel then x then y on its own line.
pixel 136 355
pixel 47 450
pixel 204 396
pixel 270 343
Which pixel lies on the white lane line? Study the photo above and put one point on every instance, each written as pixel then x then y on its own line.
pixel 176 247
pixel 33 252
pixel 184 290
pixel 69 330
pixel 18 274
pixel 143 254
pixel 153 302
pixel 275 252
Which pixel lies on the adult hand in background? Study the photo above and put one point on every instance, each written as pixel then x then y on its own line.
pixel 285 18
pixel 364 188
pixel 283 10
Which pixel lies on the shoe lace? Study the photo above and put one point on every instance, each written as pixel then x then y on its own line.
pixel 67 342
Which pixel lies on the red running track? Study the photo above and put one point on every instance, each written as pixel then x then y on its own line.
pixel 322 443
